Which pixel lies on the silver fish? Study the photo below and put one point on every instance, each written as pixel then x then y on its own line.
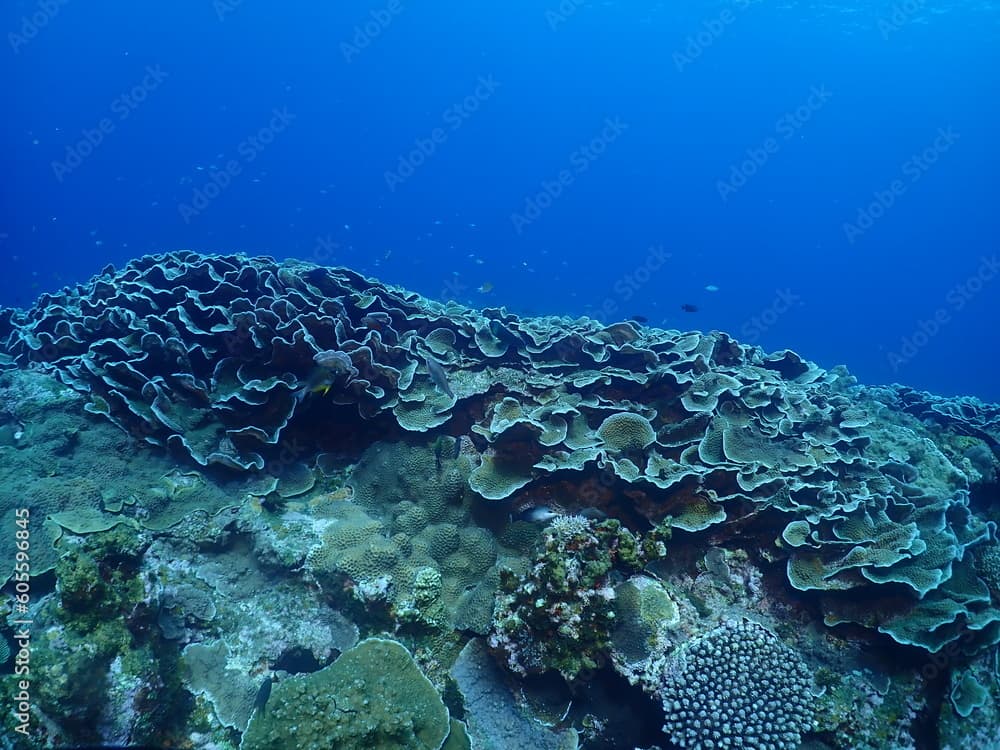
pixel 538 514
pixel 437 375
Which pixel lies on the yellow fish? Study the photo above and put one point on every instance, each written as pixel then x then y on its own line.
pixel 319 382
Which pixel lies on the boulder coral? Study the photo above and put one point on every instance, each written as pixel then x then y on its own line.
pixel 737 686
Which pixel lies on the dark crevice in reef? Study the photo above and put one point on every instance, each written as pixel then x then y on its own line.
pixel 298 660
pixel 985 498
pixel 630 719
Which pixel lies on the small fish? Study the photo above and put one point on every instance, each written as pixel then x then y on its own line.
pixel 260 702
pixel 594 514
pixel 486 287
pixel 537 514
pixel 545 513
pixel 437 374
pixel 711 288
pixel 331 366
pixel 377 320
pixel 497 329
pixel 688 308
pixel 320 381
pixel 441 451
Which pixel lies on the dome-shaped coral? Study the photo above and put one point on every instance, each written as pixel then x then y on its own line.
pixel 737 685
pixel 626 432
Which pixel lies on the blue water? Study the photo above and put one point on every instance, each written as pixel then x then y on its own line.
pixel 830 169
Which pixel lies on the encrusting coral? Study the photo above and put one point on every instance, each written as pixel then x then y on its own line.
pixel 374 697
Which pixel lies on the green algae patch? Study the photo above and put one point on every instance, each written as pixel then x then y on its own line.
pixel 374 697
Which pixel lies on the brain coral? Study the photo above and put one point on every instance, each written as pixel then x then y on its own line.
pixel 626 432
pixel 410 518
pixel 737 686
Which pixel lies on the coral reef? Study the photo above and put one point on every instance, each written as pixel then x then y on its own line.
pixel 737 686
pixel 701 429
pixel 238 468
pixel 230 691
pixel 971 717
pixel 560 614
pixel 498 721
pixel 99 672
pixel 407 541
pixel 866 710
pixel 644 612
pixel 374 697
